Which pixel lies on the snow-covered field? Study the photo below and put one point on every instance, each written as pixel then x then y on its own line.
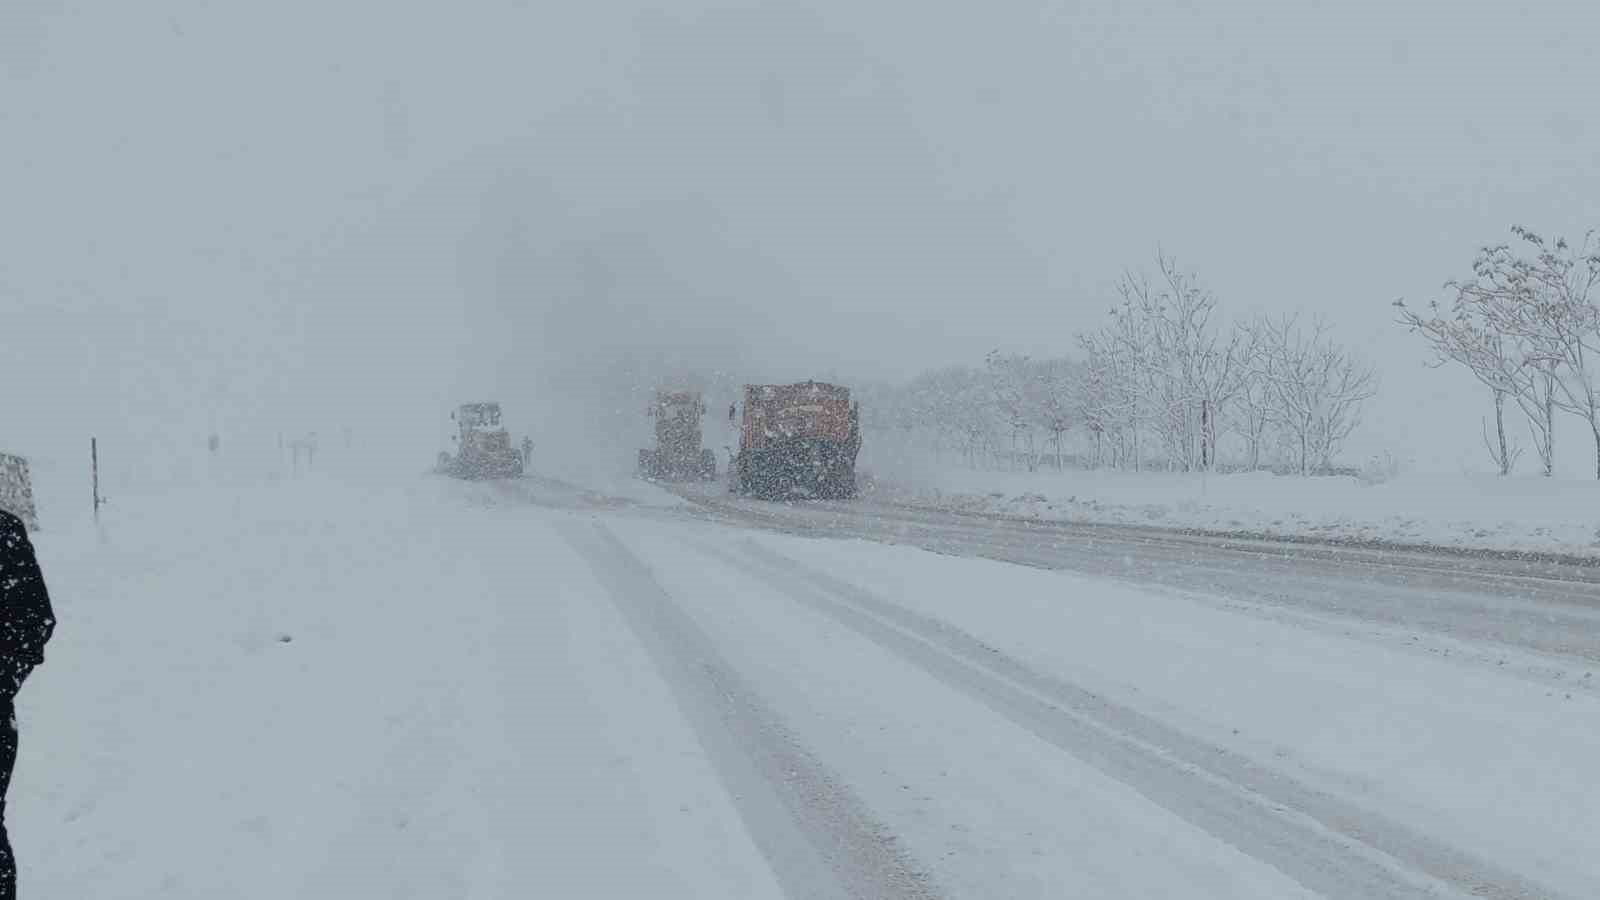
pixel 337 687
pixel 324 689
pixel 1484 512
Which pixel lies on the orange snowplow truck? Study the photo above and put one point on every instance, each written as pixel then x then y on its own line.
pixel 797 441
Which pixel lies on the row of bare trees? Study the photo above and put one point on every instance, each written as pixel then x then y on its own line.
pixel 1527 326
pixel 1163 382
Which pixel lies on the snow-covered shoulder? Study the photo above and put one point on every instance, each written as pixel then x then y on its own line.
pixel 1463 511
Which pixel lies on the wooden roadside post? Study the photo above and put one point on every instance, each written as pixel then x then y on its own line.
pixel 94 476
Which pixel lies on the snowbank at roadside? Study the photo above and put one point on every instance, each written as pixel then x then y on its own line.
pixel 1479 512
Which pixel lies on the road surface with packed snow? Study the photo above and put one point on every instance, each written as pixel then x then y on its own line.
pixel 345 688
pixel 1528 601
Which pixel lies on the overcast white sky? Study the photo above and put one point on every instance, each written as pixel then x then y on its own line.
pixel 264 217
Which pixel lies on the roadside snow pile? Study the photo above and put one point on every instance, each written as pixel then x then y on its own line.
pixel 1528 514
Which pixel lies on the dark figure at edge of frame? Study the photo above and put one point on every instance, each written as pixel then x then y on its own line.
pixel 26 622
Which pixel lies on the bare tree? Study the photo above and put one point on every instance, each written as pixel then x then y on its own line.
pixel 1096 405
pixel 1503 455
pixel 1219 374
pixel 967 410
pixel 1188 372
pixel 1253 404
pixel 1539 408
pixel 946 404
pixel 1317 386
pixel 1058 383
pixel 1493 331
pixel 1144 306
pixel 1469 337
pixel 1546 301
pixel 1114 403
pixel 1008 382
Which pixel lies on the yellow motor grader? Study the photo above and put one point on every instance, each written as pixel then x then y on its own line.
pixel 483 446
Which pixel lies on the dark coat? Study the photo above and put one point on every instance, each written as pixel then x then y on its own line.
pixel 26 620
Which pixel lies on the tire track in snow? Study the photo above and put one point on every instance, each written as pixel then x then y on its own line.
pixel 1331 847
pixel 816 835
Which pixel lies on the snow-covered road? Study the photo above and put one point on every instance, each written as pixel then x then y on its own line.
pixel 1546 604
pixel 540 690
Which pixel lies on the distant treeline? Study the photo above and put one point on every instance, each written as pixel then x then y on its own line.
pixel 1164 383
